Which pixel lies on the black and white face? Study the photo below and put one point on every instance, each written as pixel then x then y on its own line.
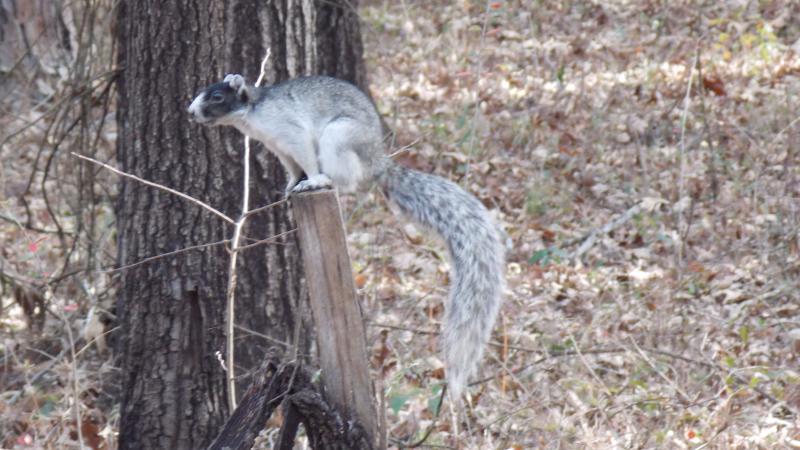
pixel 216 103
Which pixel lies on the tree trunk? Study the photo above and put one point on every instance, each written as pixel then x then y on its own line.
pixel 171 310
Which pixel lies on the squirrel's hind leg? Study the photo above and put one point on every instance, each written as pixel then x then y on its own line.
pixel 340 153
pixel 298 155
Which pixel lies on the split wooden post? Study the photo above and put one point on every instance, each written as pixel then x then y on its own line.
pixel 341 340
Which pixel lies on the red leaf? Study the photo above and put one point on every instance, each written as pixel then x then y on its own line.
pixel 715 85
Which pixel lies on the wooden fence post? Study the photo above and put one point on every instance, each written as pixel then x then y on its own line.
pixel 340 329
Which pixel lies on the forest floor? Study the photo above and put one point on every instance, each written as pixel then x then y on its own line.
pixel 643 158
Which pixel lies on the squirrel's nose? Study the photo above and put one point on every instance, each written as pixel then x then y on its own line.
pixel 194 109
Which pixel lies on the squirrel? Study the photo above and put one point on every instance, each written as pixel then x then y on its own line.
pixel 327 133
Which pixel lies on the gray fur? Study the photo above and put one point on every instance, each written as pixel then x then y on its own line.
pixel 330 131
pixel 477 256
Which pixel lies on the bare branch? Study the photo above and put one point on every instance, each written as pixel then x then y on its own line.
pixel 156 185
pixel 163 255
pixel 197 247
pixel 263 67
pixel 588 239
pixel 263 208
pixel 237 235
pixel 687 101
pixel 265 241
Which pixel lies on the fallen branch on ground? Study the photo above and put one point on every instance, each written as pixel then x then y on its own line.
pixel 588 239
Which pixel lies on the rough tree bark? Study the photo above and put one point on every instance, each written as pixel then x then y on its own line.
pixel 171 310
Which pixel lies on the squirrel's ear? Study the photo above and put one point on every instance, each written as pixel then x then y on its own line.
pixel 235 81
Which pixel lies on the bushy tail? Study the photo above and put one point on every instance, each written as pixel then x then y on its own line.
pixel 477 257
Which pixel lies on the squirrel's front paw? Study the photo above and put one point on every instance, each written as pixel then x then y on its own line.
pixel 290 187
pixel 313 183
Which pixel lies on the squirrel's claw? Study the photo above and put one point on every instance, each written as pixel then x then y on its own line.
pixel 313 183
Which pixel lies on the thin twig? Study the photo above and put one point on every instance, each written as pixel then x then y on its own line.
pixel 94 339
pixel 655 351
pixel 404 148
pixel 588 239
pixel 163 255
pixel 263 336
pixel 419 442
pixel 74 383
pixel 715 367
pixel 231 291
pixel 783 130
pixel 263 69
pixel 47 367
pixel 57 107
pixel 29 227
pixel 230 328
pixel 661 374
pixel 265 207
pixel 199 247
pixel 687 101
pixel 400 328
pixel 76 388
pixel 265 241
pixel 156 185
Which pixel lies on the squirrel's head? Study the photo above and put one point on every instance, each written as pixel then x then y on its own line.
pixel 221 103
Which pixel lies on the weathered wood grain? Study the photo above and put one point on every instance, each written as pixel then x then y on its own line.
pixel 339 326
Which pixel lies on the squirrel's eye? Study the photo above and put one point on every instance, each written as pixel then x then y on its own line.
pixel 216 97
